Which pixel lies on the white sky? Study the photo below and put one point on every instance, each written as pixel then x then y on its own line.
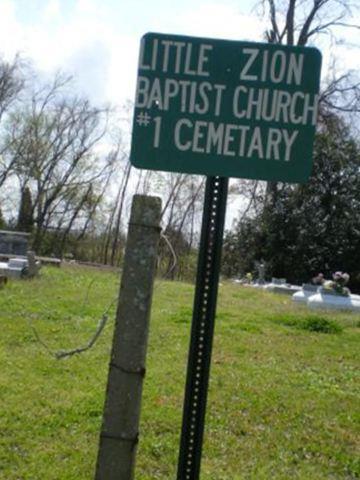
pixel 98 40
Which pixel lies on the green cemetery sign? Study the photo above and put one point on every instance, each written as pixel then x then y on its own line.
pixel 225 108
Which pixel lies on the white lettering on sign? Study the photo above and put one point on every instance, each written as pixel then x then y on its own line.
pixel 176 57
pixel 289 140
pixel 276 66
pixel 248 103
pixel 233 140
pixel 179 143
pixel 189 97
pixel 253 53
pixel 275 105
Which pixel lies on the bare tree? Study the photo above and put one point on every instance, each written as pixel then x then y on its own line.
pixel 296 22
pixel 172 184
pixel 11 84
pixel 119 211
pixel 113 226
pixel 182 203
pixel 300 22
pixel 52 141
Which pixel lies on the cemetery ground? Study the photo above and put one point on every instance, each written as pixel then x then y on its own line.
pixel 284 392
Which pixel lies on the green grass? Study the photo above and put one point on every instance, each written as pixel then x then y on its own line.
pixel 284 391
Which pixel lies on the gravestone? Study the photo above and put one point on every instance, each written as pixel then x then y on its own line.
pixel 308 289
pixel 17 267
pixel 261 268
pixel 14 243
pixel 20 267
pixel 334 302
pixel 279 285
pixel 285 289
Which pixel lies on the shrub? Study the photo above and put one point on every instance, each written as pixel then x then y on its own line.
pixel 321 325
pixel 311 323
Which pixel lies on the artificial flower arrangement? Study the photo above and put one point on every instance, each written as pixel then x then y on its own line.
pixel 249 277
pixel 318 280
pixel 337 284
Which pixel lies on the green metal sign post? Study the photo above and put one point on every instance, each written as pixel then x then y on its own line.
pixel 221 109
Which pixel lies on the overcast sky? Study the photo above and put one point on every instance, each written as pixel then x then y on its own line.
pixel 98 40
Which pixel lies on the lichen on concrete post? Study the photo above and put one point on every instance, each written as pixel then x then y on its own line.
pixel 119 433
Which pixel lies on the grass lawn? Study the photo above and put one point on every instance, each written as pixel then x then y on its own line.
pixel 283 401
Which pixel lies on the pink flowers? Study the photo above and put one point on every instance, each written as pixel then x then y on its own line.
pixel 336 285
pixel 319 279
pixel 341 278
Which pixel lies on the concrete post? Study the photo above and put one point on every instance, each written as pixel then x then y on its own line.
pixel 119 433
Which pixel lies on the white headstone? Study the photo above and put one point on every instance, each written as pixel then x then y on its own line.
pixel 334 302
